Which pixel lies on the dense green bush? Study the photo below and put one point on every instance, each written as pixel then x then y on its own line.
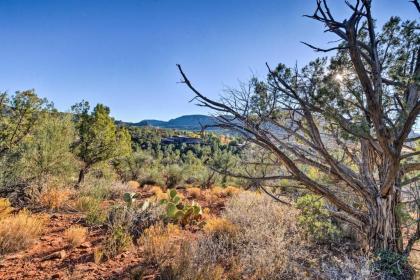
pixel 315 218
pixel 46 151
pixel 34 140
pixel 394 265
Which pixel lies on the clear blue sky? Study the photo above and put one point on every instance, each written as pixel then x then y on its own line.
pixel 123 53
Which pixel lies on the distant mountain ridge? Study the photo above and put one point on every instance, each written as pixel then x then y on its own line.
pixel 195 123
pixel 187 122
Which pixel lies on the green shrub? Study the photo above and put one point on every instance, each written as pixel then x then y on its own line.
pixel 95 215
pixel 207 178
pixel 315 219
pixel 96 188
pixel 133 218
pixel 173 176
pixel 129 167
pixel 46 151
pixel 392 264
pixel 152 175
pixel 117 241
pixel 120 216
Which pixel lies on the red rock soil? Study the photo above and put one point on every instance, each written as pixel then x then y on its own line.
pixel 74 263
pixel 50 257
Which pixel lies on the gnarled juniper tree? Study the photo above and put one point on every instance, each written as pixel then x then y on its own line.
pixel 99 139
pixel 349 118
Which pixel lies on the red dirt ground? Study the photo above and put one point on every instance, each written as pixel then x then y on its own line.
pixel 78 262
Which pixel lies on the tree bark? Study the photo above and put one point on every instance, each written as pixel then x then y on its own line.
pixel 384 225
pixel 82 174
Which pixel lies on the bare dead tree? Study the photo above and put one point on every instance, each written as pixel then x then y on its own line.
pixel 350 119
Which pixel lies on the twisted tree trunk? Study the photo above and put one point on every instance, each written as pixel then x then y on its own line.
pixel 384 226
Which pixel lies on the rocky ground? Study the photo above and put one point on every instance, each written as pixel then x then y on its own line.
pixel 51 258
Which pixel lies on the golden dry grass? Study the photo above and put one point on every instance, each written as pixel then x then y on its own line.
pixel 194 192
pixel 231 191
pixel 160 243
pixel 85 203
pixel 5 208
pixel 255 238
pixel 212 199
pixel 19 231
pixel 54 198
pixel 158 193
pixel 218 191
pixel 133 184
pixel 218 226
pixel 75 235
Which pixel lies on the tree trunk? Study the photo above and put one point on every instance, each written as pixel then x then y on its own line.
pixel 82 174
pixel 384 225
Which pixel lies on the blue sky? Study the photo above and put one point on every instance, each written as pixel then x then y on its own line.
pixel 123 53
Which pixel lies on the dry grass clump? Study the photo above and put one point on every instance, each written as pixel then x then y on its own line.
pixel 158 193
pixel 212 199
pixel 117 241
pixel 55 198
pixel 255 238
pixel 19 231
pixel 167 248
pixel 5 208
pixel 220 226
pixel 117 190
pixel 75 235
pixel 344 267
pixel 218 191
pixel 133 184
pixel 161 244
pixel 231 191
pixel 84 203
pixel 194 192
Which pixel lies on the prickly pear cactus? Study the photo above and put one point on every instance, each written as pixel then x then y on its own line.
pixel 178 212
pixel 129 198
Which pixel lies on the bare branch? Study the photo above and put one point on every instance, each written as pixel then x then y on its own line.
pixel 324 50
pixel 416 4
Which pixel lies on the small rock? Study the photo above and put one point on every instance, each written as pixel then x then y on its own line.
pixel 85 245
pixel 56 276
pixel 56 255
